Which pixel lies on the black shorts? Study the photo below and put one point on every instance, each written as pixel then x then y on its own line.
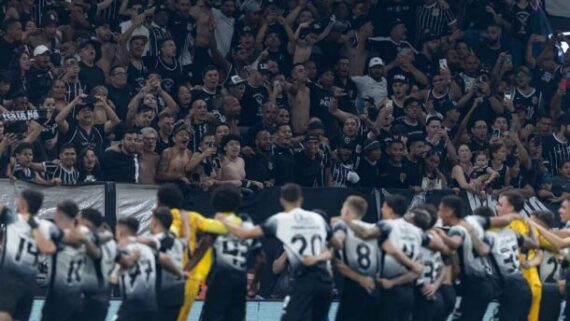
pixel 550 303
pixel 476 294
pixel 428 309
pixel 62 307
pixel 226 297
pixel 355 302
pixel 309 299
pixel 95 306
pixel 515 299
pixel 16 297
pixel 449 298
pixel 135 311
pixel 396 304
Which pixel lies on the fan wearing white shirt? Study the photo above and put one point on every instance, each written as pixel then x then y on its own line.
pixel 373 85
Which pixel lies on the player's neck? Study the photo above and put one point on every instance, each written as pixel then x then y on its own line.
pixel 25 216
pixel 290 207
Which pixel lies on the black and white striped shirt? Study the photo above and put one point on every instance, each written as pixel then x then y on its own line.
pixel 156 36
pixel 555 152
pixel 340 174
pixel 73 90
pixel 433 18
pixel 67 177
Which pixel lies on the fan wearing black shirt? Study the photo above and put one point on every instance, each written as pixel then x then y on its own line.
pixel 268 114
pixel 90 75
pixel 255 95
pixel 9 41
pixel 387 48
pixel 83 132
pixel 120 92
pixel 283 155
pixel 209 90
pixel 488 52
pixel 308 163
pixel 168 67
pixel 122 165
pixel 259 166
pixel 411 121
pixel 40 75
pixel 396 171
pixel 368 167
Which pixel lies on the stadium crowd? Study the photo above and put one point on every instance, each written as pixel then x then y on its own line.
pixel 407 94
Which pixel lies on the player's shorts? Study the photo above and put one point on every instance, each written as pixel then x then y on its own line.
pixel 449 298
pixel 226 297
pixel 355 302
pixel 134 311
pixel 476 294
pixel 309 299
pixel 428 309
pixel 16 296
pixel 59 307
pixel 396 304
pixel 550 303
pixel 515 299
pixel 96 306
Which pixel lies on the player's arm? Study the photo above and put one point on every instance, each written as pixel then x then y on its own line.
pixel 148 241
pixel 241 232
pixel 43 239
pixel 168 264
pixel 402 279
pixel 364 232
pixel 535 261
pixel 209 225
pixel 390 248
pixel 366 282
pixel 315 259
pixel 453 242
pixel 480 247
pixel 503 220
pixel 126 260
pixel 280 264
pixel 194 258
pixel 557 241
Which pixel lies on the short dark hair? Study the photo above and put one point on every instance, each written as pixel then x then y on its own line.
pixel 484 211
pixel 228 138
pixel 21 147
pixel 430 209
pixel 67 146
pixel 226 198
pixel 33 199
pixel 68 208
pixel 93 216
pixel 516 199
pixel 397 203
pixel 422 219
pixel 170 195
pixel 163 215
pixel 454 203
pixel 131 223
pixel 291 193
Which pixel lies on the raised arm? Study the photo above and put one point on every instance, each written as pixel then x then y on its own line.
pixel 61 117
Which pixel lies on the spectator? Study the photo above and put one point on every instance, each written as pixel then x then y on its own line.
pixel 556 148
pixel 88 166
pixel 121 164
pixel 21 167
pixel 174 162
pixel 259 165
pixel 283 155
pixel 374 84
pixel 90 75
pixel 119 91
pixel 396 171
pixel 343 171
pixel 41 76
pixel 149 159
pixel 233 166
pixel 11 39
pixel 70 78
pixel 63 172
pixel 205 165
pixel 309 164
pixel 432 178
pixel 368 168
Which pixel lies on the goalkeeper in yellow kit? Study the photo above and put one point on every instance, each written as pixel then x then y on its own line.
pixel 187 225
pixel 513 202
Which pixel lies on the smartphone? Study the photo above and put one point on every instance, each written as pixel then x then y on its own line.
pixel 496 132
pixel 508 96
pixel 443 64
pixel 389 103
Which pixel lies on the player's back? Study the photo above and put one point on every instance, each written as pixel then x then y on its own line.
pixel 433 266
pixel 303 233
pixel 97 271
pixel 505 251
pixel 171 286
pixel 406 237
pixel 66 268
pixel 230 252
pixel 360 255
pixel 138 283
pixel 470 263
pixel 19 253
